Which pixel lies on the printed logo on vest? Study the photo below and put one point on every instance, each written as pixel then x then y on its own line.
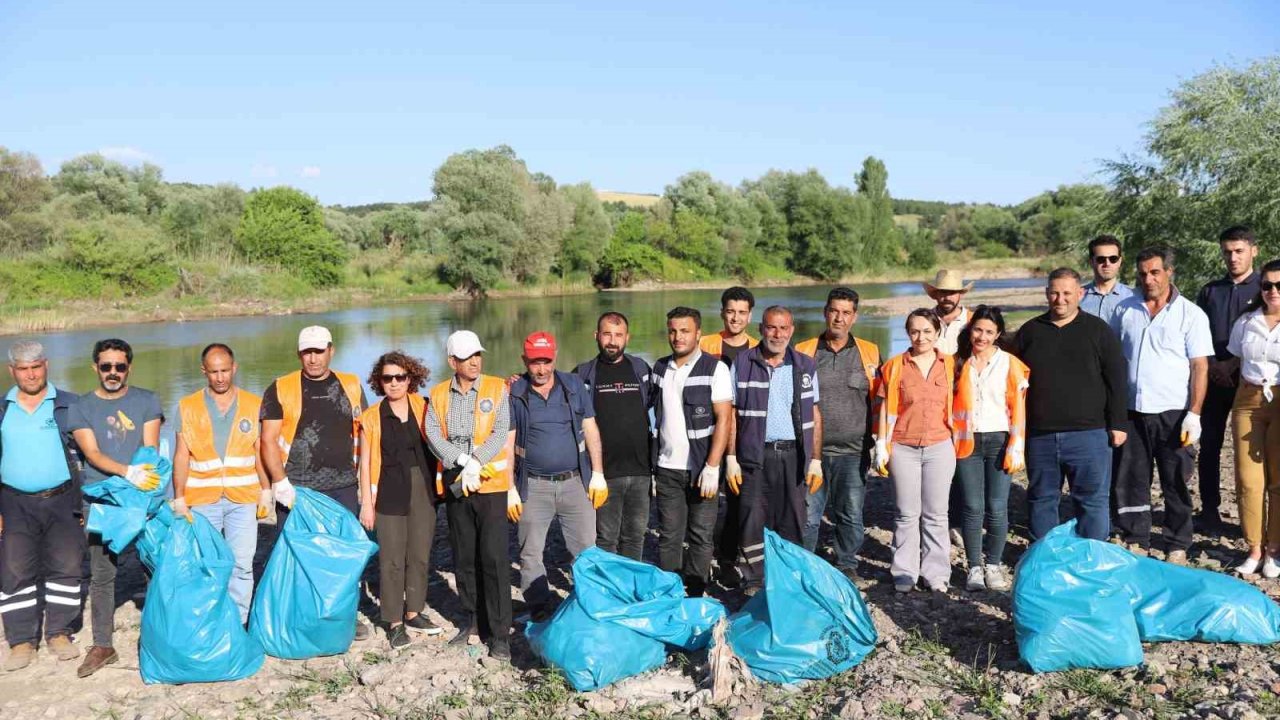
pixel 486 405
pixel 699 411
pixel 244 425
pixel 806 382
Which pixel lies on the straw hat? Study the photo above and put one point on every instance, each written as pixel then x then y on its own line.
pixel 947 281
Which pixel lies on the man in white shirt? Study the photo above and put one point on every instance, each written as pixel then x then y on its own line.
pixel 1166 341
pixel 693 413
pixel 948 290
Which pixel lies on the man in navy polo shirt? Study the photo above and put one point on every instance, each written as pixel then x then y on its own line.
pixel 40 511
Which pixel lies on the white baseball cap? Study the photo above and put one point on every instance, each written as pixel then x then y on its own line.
pixel 463 344
pixel 314 337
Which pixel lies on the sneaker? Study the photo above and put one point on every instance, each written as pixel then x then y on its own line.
pixel 1177 557
pixel 97 658
pixel 903 585
pixel 977 579
pixel 398 636
pixel 466 631
pixel 1249 566
pixel 1270 569
pixel 500 649
pixel 423 623
pixel 362 630
pixel 939 586
pixel 63 648
pixel 996 579
pixel 20 656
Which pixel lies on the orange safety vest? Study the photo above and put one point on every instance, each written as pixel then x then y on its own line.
pixel 233 472
pixel 1015 398
pixel 870 357
pixel 289 392
pixel 489 392
pixel 714 344
pixel 371 424
pixel 888 390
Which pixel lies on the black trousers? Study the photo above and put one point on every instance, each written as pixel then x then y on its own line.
pixel 729 543
pixel 478 531
pixel 1155 437
pixel 773 496
pixel 686 522
pixel 41 562
pixel 1213 427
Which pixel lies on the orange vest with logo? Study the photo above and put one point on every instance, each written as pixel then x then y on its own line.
pixel 489 392
pixel 714 344
pixel 371 425
pixel 869 351
pixel 1015 398
pixel 889 391
pixel 233 472
pixel 289 392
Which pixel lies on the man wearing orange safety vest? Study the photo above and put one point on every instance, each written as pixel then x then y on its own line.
pixel 469 430
pixel 217 469
pixel 310 419
pixel 846 372
pixel 736 305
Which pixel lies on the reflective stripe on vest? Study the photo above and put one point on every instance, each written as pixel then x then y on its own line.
pixel 232 473
pixel 489 392
pixel 696 405
pixel 289 393
pixel 751 400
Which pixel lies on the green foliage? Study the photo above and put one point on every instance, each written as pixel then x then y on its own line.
pixel 479 248
pixel 122 250
pixel 822 225
pixel 105 186
pixel 624 263
pixel 698 241
pixel 23 186
pixel 880 238
pixel 993 250
pixel 284 227
pixel 587 236
pixel 921 251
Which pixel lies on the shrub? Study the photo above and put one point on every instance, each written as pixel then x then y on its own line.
pixel 285 227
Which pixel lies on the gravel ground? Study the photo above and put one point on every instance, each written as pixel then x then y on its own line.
pixel 949 655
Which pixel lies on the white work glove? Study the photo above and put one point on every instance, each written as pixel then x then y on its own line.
pixel 284 492
pixel 514 507
pixel 470 476
pixel 880 457
pixel 143 477
pixel 709 481
pixel 813 478
pixel 733 474
pixel 1190 429
pixel 598 489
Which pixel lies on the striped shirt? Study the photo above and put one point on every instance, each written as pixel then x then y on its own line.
pixel 461 422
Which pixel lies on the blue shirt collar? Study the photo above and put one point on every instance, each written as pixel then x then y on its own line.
pixel 12 395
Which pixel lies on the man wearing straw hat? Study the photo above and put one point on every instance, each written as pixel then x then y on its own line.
pixel 947 290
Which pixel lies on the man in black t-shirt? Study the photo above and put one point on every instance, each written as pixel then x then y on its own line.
pixel 620 390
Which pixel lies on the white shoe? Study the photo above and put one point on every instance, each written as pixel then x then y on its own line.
pixel 903 585
pixel 1249 566
pixel 996 579
pixel 977 579
pixel 1270 569
pixel 939 586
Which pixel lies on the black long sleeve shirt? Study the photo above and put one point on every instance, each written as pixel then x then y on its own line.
pixel 1078 374
pixel 1224 301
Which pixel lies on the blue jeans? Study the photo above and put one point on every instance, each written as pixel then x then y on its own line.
pixel 238 523
pixel 985 487
pixel 843 489
pixel 1083 457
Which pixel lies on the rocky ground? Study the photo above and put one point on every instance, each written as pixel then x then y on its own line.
pixel 949 655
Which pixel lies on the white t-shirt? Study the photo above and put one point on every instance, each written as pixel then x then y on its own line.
pixel 1258 348
pixel 949 338
pixel 991 410
pixel 673 438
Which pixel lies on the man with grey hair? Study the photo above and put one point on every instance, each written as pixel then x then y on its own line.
pixel 40 511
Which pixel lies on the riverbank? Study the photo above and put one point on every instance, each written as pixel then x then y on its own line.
pixel 207 304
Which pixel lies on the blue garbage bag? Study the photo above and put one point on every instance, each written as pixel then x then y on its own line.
pixel 1085 603
pixel 1069 609
pixel 191 628
pixel 619 620
pixel 305 605
pixel 118 511
pixel 809 622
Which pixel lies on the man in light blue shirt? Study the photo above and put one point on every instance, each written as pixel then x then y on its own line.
pixel 1103 296
pixel 1165 338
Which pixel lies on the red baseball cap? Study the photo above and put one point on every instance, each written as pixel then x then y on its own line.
pixel 540 346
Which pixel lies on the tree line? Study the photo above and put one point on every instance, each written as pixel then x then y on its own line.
pixel 100 228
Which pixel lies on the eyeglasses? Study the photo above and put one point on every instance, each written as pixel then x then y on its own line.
pixel 119 367
pixel 398 377
pixel 1106 259
pixel 1265 286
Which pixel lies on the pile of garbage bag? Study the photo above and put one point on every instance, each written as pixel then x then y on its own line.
pixel 1081 603
pixel 619 620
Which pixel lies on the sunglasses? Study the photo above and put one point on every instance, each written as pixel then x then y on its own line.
pixel 399 377
pixel 1265 286
pixel 107 367
pixel 1106 259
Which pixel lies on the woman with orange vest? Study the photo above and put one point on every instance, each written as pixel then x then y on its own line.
pixel 914 447
pixel 991 390
pixel 397 492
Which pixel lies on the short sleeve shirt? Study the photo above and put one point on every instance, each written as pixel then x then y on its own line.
pixel 1160 349
pixel 320 455
pixel 674 451
pixel 116 424
pixel 1103 305
pixel 34 459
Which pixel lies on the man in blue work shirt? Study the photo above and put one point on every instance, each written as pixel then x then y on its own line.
pixel 1106 292
pixel 1223 300
pixel 1165 338
pixel 40 511
pixel 559 466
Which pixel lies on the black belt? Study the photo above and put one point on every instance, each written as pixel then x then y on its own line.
pixel 558 477
pixel 51 492
pixel 780 445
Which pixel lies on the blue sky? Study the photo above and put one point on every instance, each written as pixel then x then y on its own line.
pixel 360 101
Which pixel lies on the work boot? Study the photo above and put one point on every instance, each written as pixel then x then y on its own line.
pixel 63 648
pixel 20 656
pixel 500 649
pixel 423 623
pixel 466 631
pixel 97 658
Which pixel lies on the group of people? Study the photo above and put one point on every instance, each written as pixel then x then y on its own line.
pixel 1105 385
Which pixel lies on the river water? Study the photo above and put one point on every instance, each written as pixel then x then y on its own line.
pixel 167 355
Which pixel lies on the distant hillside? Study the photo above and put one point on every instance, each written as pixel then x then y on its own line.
pixel 640 200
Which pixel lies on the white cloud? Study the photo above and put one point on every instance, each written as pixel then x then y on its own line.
pixel 310 171
pixel 263 171
pixel 126 154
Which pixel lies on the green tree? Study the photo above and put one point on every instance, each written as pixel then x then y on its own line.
pixel 284 227
pixel 121 249
pixel 23 186
pixel 479 249
pixel 588 235
pixel 547 217
pixel 881 242
pixel 106 186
